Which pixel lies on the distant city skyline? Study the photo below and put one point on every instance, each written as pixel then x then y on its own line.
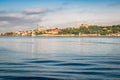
pixel 17 15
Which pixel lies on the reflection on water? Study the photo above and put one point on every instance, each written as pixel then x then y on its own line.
pixel 62 58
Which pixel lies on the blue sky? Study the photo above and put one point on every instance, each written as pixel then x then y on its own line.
pixel 18 15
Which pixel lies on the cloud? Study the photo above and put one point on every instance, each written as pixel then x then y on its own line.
pixel 3 23
pixel 28 17
pixel 16 21
pixel 34 11
pixel 18 18
pixel 12 18
pixel 8 18
pixel 11 21
pixel 12 15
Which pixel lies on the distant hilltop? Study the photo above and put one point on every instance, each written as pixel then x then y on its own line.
pixel 80 30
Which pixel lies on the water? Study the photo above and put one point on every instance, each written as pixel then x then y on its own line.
pixel 59 58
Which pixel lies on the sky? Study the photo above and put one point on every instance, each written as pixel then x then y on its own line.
pixel 19 15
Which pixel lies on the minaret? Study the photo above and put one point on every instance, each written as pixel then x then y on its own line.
pixel 33 33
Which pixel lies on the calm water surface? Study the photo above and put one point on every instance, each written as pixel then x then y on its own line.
pixel 59 58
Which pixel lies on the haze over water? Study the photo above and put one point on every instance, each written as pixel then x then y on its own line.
pixel 59 58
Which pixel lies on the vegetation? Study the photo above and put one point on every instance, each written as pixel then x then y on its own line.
pixel 9 34
pixel 69 31
pixel 92 29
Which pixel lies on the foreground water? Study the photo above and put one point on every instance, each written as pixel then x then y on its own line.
pixel 59 58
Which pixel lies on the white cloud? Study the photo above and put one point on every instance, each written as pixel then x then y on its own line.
pixel 14 15
pixel 59 17
pixel 33 11
pixel 3 22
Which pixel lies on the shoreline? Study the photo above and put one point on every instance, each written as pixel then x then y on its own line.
pixel 82 30
pixel 65 36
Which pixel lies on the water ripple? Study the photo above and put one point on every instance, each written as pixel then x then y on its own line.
pixel 26 78
pixel 53 58
pixel 44 61
pixel 73 64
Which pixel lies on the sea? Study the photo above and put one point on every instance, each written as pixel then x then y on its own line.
pixel 59 58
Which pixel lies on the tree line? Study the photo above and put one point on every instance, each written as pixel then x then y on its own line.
pixel 93 29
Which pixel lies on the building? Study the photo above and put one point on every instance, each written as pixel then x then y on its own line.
pixel 53 31
pixel 84 25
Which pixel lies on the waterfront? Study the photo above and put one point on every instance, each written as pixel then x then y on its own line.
pixel 59 58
